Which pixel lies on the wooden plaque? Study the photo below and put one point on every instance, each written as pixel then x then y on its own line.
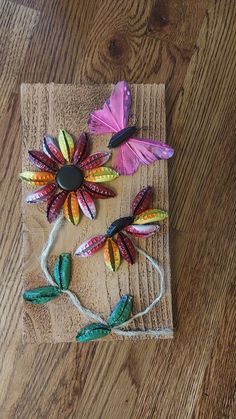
pixel 45 109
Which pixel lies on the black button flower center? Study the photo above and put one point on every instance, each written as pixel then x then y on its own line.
pixel 118 225
pixel 69 177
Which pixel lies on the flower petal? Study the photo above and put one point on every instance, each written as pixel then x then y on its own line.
pixel 95 160
pixel 37 178
pixel 42 194
pixel 91 246
pixel 71 208
pixel 50 147
pixel 81 148
pixel 66 145
pixel 101 174
pixel 142 230
pixel 150 216
pixel 55 205
pixel 142 200
pixel 86 203
pixel 42 161
pixel 98 191
pixel 126 247
pixel 111 255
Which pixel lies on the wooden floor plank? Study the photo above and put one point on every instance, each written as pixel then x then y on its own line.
pixel 33 4
pixel 16 31
pixel 189 46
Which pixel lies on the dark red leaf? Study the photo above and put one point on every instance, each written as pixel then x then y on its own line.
pixel 95 160
pixel 42 161
pixel 126 247
pixel 81 148
pixel 86 203
pixel 98 191
pixel 142 200
pixel 55 205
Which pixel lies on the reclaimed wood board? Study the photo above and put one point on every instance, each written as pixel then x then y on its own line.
pixel 45 109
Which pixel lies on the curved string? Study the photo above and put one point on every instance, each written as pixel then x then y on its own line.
pixel 91 315
pixel 44 266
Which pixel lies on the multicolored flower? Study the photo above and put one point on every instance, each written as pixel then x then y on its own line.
pixel 68 167
pixel 139 224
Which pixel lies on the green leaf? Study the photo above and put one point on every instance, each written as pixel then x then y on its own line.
pixel 41 295
pixel 121 311
pixel 93 331
pixel 62 271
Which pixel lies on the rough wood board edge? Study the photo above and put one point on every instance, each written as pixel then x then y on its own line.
pixel 51 88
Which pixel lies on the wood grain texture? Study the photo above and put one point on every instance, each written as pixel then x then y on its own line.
pixel 192 376
pixel 15 36
pixel 46 108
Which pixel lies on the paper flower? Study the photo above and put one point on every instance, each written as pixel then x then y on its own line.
pixel 68 166
pixel 140 224
pixel 60 284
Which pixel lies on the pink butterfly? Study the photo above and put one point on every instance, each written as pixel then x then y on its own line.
pixel 113 118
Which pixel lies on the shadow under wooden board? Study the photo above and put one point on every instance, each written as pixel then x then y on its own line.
pixel 45 109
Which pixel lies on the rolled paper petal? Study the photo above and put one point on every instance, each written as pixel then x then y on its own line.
pixel 55 205
pixel 142 231
pixel 50 147
pixel 142 200
pixel 95 160
pixel 42 194
pixel 37 178
pixel 86 204
pixel 62 271
pixel 111 255
pixel 42 161
pixel 71 208
pixel 81 148
pixel 91 246
pixel 66 145
pixel 98 191
pixel 93 331
pixel 41 295
pixel 101 174
pixel 126 247
pixel 150 216
pixel 121 312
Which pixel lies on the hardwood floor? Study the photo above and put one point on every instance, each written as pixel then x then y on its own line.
pixel 189 46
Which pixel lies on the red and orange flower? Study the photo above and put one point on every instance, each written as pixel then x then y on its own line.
pixel 139 224
pixel 68 167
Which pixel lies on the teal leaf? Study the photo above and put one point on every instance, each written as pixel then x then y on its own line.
pixel 93 331
pixel 62 271
pixel 41 295
pixel 121 311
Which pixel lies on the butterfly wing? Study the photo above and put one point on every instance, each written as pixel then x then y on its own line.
pixel 138 151
pixel 126 162
pixel 114 115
